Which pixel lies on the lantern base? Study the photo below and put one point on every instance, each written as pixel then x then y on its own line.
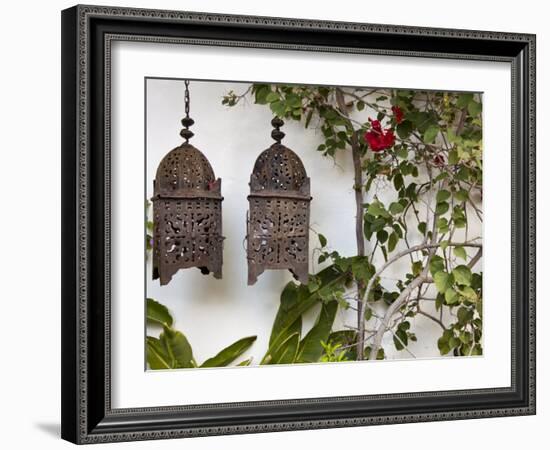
pixel 299 272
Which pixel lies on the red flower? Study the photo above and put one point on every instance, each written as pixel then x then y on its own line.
pixel 377 138
pixel 397 114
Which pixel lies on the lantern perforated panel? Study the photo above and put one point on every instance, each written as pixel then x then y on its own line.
pixel 278 217
pixel 187 210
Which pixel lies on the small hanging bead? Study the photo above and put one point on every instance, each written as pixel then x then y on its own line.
pixel 277 134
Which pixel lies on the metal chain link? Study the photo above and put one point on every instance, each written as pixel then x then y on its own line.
pixel 187 101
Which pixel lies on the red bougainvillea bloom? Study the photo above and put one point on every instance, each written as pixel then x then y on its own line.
pixel 397 114
pixel 377 138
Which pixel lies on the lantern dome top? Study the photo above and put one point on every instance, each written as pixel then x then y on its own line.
pixel 279 169
pixel 185 169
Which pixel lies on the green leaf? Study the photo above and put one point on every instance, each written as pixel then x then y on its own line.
pixel 464 100
pixel 474 108
pixel 322 240
pixel 443 342
pixel 246 362
pixel 289 302
pixel 463 174
pixel 405 326
pixel 464 315
pixel 398 181
pixel 442 225
pixel 477 351
pixel 157 313
pixel 436 264
pixel 453 157
pixel 382 236
pixel 261 92
pixel 368 313
pixel 460 252
pixel 468 293
pixel 451 296
pixel 462 195
pixel 430 134
pixel 293 100
pixel 362 269
pixel 378 224
pixel 278 108
pixel 343 337
pixel 392 242
pixel 384 252
pixel 295 301
pixel 397 343
pixel 439 301
pixel 157 358
pixel 287 351
pixel 397 228
pixel 441 208
pixel 396 208
pixel 416 268
pixel 404 129
pixel 465 337
pixel 442 195
pixel 462 275
pixel 402 152
pixel 376 209
pixel 422 227
pixel 230 353
pixel 460 223
pixel 271 97
pixel 177 347
pixel 477 281
pixel 310 348
pixel 443 281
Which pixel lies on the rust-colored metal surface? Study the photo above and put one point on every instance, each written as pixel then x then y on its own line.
pixel 187 212
pixel 278 217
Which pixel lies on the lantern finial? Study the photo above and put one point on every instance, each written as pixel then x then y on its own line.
pixel 277 134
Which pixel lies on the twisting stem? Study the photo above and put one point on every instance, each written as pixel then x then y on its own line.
pixel 360 240
pixel 359 236
pixel 358 187
pixel 392 309
pixel 429 316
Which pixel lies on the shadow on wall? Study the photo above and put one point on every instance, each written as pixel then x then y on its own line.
pixel 52 429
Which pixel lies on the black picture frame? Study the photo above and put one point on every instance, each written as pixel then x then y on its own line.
pixel 87 415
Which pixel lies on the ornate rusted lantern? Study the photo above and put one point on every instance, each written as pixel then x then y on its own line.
pixel 187 211
pixel 278 217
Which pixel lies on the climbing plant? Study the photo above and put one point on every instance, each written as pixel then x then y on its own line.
pixel 417 181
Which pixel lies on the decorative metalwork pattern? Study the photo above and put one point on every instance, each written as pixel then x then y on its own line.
pixel 187 211
pixel 278 217
pixel 187 215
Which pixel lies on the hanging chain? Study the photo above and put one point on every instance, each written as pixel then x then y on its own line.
pixel 187 101
pixel 186 133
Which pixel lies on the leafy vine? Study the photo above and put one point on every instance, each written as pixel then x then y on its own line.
pixel 426 147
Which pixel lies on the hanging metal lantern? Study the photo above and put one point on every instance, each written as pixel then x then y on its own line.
pixel 278 217
pixel 187 210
